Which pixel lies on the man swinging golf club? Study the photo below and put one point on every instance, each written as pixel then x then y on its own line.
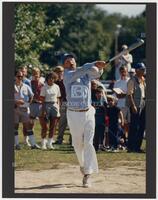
pixel 80 113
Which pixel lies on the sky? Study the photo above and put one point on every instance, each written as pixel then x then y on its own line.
pixel 124 9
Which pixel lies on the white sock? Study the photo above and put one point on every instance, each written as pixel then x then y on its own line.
pixel 44 141
pixel 50 140
pixel 32 140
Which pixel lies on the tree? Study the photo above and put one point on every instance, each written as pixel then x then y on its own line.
pixel 44 30
pixel 32 35
pixel 82 33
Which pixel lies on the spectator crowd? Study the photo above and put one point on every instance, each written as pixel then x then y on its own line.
pixel 119 116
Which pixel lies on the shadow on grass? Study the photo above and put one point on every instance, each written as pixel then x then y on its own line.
pixel 50 186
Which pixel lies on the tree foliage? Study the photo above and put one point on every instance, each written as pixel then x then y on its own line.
pixel 32 35
pixel 44 30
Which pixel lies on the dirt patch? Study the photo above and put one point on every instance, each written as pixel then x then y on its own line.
pixel 67 179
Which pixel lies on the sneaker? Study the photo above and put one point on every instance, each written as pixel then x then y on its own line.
pixel 120 147
pixel 50 146
pixel 102 148
pixel 109 149
pixel 17 147
pixel 36 146
pixel 44 147
pixel 86 181
pixel 82 170
pixel 114 150
pixel 28 143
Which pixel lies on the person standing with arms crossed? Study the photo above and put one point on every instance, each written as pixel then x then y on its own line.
pixel 80 113
pixel 136 101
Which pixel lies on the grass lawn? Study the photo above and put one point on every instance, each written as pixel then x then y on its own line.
pixel 27 159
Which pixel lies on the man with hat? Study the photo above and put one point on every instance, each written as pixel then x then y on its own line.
pixel 80 113
pixel 136 100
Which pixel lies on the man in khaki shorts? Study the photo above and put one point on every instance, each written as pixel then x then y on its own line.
pixel 23 96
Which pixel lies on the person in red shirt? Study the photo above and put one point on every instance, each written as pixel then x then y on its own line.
pixel 36 85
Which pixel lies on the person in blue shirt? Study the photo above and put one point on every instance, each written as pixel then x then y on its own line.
pixel 27 81
pixel 80 113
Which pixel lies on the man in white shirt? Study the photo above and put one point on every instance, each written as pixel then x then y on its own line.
pixel 120 89
pixel 50 94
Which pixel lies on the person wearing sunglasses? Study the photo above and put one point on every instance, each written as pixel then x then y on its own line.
pixel 23 96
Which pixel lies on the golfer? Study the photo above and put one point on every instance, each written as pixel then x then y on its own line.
pixel 80 113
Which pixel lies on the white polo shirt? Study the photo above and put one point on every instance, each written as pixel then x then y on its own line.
pixel 23 92
pixel 122 84
pixel 51 93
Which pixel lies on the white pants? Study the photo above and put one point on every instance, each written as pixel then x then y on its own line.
pixel 82 127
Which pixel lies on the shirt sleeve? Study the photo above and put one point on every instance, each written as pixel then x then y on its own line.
pixel 130 87
pixel 59 93
pixel 130 58
pixel 89 68
pixel 43 92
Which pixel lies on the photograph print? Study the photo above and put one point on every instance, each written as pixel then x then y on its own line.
pixel 81 75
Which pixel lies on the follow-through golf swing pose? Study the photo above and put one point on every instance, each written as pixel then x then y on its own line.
pixel 80 113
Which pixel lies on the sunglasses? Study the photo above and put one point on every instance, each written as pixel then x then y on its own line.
pixel 19 76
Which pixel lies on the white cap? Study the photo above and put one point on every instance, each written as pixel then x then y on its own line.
pixel 132 70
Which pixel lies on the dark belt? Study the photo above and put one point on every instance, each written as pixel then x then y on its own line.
pixel 79 110
pixel 34 101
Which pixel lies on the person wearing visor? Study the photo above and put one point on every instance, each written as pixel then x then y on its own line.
pixel 136 101
pixel 80 113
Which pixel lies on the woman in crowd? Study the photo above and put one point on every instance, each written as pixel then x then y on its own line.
pixel 50 94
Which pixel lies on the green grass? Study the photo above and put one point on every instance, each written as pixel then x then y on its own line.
pixel 27 159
